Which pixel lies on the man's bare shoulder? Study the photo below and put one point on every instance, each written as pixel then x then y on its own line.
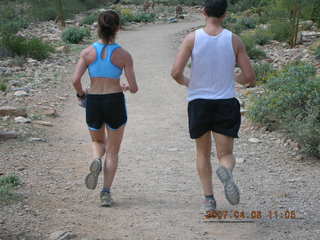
pixel 190 38
pixel 237 42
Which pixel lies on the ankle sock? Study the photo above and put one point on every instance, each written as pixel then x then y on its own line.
pixel 106 190
pixel 209 197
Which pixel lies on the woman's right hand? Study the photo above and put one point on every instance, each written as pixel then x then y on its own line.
pixel 125 87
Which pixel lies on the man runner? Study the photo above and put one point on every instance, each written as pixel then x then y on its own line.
pixel 212 107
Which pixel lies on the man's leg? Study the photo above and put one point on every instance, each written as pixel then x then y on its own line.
pixel 203 145
pixel 224 148
pixel 204 168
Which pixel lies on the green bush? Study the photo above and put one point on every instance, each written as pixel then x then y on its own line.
pixel 291 102
pixel 317 53
pixel 263 36
pixel 242 5
pixel 280 30
pixel 13 26
pixel 250 43
pixel 7 185
pixel 236 28
pixel 315 16
pixel 248 22
pixel 3 86
pixel 9 22
pixel 33 48
pixel 263 72
pixel 144 17
pixel 75 34
pixel 90 19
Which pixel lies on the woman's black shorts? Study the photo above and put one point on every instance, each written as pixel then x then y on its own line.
pixel 220 115
pixel 106 108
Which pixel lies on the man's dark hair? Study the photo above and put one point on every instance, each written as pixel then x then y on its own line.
pixel 215 8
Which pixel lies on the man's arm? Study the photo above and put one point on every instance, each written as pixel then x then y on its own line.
pixel 247 75
pixel 182 59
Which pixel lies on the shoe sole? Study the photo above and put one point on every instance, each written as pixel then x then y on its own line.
pixel 106 204
pixel 91 179
pixel 231 190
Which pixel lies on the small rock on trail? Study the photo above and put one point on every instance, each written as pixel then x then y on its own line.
pixel 62 235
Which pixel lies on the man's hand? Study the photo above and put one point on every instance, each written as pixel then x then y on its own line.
pixel 182 58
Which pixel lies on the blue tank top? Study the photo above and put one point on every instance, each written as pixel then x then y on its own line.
pixel 103 67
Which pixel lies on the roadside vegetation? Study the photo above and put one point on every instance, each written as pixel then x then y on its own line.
pixel 257 22
pixel 8 185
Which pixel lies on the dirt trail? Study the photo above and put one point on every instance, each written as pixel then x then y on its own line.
pixel 157 191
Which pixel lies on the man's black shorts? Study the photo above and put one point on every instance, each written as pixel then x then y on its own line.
pixel 220 115
pixel 106 108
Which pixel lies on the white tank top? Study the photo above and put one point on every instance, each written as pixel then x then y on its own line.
pixel 213 64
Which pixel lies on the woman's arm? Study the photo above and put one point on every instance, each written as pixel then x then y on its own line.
pixel 80 69
pixel 130 74
pixel 182 58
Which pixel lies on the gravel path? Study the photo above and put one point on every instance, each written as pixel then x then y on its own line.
pixel 157 191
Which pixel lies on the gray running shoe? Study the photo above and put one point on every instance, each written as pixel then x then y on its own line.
pixel 231 190
pixel 106 199
pixel 91 180
pixel 209 205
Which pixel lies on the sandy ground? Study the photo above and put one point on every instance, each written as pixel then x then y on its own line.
pixel 157 191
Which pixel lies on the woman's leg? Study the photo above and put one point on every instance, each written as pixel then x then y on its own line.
pixel 99 142
pixel 112 151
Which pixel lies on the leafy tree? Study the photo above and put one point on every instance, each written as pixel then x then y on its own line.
pixel 60 17
pixel 296 9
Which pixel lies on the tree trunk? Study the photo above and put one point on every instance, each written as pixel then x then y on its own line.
pixel 60 11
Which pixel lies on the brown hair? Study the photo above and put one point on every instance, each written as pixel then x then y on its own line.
pixel 108 25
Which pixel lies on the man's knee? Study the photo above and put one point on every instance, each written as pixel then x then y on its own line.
pixel 223 154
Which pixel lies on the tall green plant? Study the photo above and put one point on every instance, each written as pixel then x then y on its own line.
pixel 60 17
pixel 296 9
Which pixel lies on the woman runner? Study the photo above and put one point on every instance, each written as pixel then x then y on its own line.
pixel 106 114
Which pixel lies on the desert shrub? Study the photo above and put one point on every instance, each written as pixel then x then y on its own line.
pixel 317 53
pixel 248 22
pixel 127 16
pixel 7 186
pixel 3 85
pixel 33 48
pixel 291 102
pixel 13 26
pixel 144 17
pixel 280 30
pixel 90 19
pixel 263 72
pixel 236 28
pixel 45 10
pixel 242 5
pixel 263 36
pixel 75 34
pixel 9 22
pixel 249 41
pixel 315 16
